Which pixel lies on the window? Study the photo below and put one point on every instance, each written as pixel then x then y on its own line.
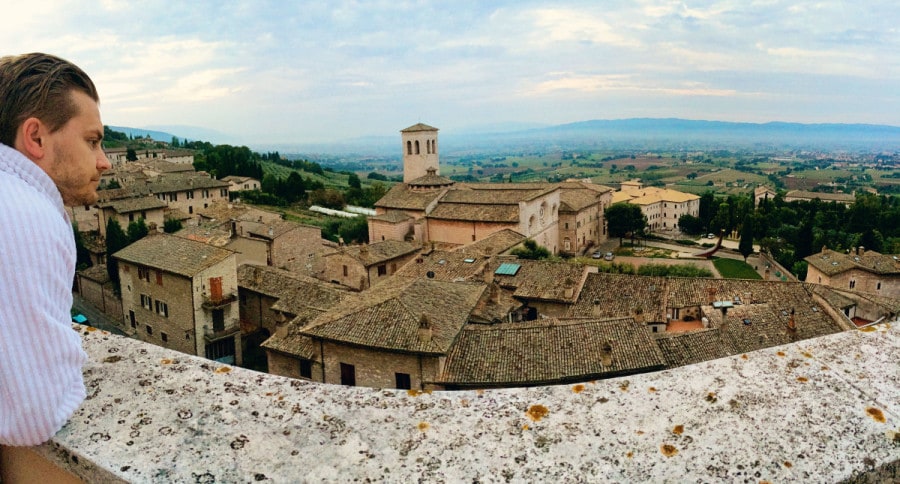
pixel 345 271
pixel 164 337
pixel 305 368
pixel 382 270
pixel 146 302
pixel 131 319
pixel 223 192
pixel 189 195
pixel 218 317
pixel 173 197
pixel 162 309
pixel 131 217
pixel 191 209
pixel 158 277
pixel 144 273
pixel 409 147
pixel 403 382
pixel 348 374
pixel 878 286
pixel 852 284
pixel 149 329
pixel 417 147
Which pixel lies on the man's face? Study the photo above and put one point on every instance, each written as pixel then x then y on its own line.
pixel 76 158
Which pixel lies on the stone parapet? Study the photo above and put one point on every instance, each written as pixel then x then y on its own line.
pixel 821 410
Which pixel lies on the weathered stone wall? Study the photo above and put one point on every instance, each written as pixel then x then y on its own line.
pixel 820 410
pixel 377 369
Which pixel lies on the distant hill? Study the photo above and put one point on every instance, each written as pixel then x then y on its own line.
pixel 637 134
pixel 141 133
pixel 183 133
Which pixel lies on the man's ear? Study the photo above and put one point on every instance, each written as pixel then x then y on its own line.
pixel 31 139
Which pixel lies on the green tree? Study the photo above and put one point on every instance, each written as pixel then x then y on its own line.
pixel 531 250
pixel 745 246
pixel 624 219
pixel 116 240
pixel 82 254
pixel 354 182
pixel 130 155
pixel 172 225
pixel 691 225
pixel 137 230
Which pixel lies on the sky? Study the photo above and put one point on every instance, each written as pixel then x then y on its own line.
pixel 302 72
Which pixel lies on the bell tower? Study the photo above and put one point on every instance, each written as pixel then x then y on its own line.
pixel 420 151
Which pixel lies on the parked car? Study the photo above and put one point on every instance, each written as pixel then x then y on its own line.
pixel 710 236
pixel 609 256
pixel 597 255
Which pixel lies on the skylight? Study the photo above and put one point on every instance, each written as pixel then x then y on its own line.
pixel 507 269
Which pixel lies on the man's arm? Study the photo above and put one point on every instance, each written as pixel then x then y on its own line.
pixel 41 358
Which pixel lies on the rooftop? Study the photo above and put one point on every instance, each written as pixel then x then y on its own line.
pixel 173 254
pixel 822 410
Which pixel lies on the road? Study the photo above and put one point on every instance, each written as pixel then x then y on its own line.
pixel 96 318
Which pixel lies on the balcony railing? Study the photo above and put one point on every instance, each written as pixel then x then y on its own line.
pixel 212 334
pixel 822 410
pixel 219 302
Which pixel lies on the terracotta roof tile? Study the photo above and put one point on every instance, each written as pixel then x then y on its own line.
pixel 173 254
pixel 135 204
pixel 619 295
pixel 494 244
pixel 378 252
pixel 400 197
pixel 682 349
pixel 830 262
pixel 549 351
pixel 388 316
pixel 541 280
pixel 475 212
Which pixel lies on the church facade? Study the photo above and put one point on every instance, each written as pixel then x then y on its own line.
pixel 427 207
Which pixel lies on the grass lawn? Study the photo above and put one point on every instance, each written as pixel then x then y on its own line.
pixel 735 269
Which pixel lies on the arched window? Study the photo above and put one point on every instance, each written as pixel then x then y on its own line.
pixel 409 147
pixel 428 147
pixel 417 147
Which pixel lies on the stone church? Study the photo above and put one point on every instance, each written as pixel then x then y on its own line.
pixel 563 217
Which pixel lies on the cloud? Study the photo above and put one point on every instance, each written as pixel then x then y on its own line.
pixel 619 82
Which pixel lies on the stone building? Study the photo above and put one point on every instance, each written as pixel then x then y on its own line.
pixel 360 267
pixel 861 270
pixel 802 195
pixel 430 208
pixel 181 294
pixel 394 335
pixel 662 206
pixel 127 210
pixel 241 183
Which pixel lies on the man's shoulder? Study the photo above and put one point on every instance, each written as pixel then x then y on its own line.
pixel 23 202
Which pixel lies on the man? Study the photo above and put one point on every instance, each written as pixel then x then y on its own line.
pixel 50 156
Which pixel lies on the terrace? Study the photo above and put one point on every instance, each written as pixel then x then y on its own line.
pixel 824 409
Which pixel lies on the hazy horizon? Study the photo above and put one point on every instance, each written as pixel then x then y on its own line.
pixel 303 72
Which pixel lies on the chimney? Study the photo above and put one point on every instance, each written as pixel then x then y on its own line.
pixel 495 294
pixel 425 332
pixel 862 251
pixel 606 354
pixel 711 294
pixel 639 315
